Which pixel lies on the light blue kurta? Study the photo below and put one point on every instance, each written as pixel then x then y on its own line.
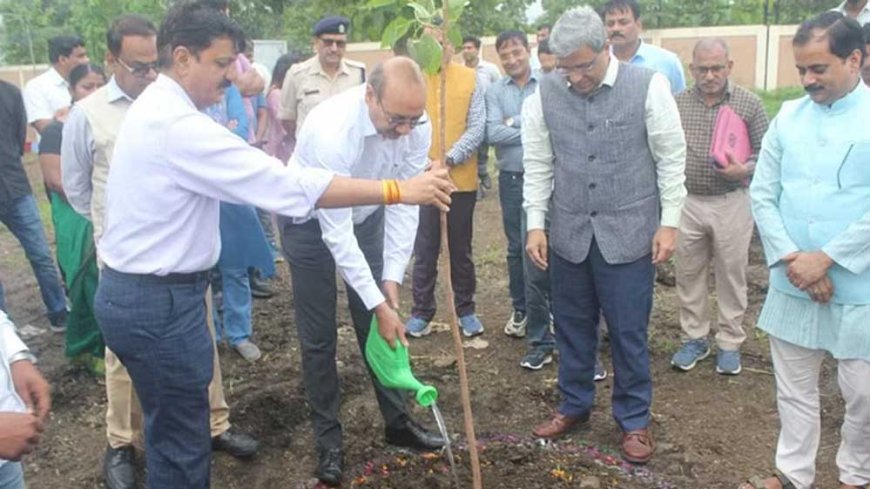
pixel 811 191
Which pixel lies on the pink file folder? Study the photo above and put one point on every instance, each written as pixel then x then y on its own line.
pixel 730 135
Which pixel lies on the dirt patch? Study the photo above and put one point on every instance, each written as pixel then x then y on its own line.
pixel 712 431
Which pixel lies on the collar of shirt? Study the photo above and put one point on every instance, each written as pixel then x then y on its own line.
pixel 641 53
pixel 533 77
pixel 848 101
pixel 611 73
pixel 115 92
pixel 167 83
pixel 55 78
pixel 726 96
pixel 842 9
pixel 342 69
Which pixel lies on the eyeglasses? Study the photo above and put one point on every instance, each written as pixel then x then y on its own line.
pixel 399 120
pixel 703 70
pixel 584 68
pixel 333 42
pixel 139 70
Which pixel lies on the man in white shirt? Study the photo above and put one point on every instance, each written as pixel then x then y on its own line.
pixel 377 130
pixel 171 167
pixel 25 401
pixel 856 9
pixel 603 141
pixel 48 93
pixel 88 142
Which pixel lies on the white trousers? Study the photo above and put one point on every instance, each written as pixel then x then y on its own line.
pixel 797 397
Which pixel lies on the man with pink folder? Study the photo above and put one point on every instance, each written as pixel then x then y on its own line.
pixel 724 124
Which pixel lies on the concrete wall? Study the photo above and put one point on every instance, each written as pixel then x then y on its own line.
pixel 762 55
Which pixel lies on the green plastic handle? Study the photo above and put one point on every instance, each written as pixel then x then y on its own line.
pixel 392 367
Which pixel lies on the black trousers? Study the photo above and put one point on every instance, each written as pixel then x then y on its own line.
pixel 313 276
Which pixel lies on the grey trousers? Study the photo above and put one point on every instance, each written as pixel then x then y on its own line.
pixel 313 276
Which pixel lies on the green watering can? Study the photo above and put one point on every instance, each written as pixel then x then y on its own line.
pixel 393 367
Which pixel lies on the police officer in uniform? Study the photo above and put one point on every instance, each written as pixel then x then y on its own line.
pixel 322 76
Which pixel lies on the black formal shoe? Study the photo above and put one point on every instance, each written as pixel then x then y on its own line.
pixel 260 288
pixel 414 436
pixel 239 445
pixel 329 465
pixel 118 468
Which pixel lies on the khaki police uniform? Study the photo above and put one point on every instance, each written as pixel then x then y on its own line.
pixel 307 84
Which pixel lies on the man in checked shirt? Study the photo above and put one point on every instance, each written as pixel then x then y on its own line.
pixel 716 223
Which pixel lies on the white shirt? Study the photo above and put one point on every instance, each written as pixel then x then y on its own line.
pixel 667 144
pixel 171 167
pixel 338 135
pixel 45 95
pixel 863 15
pixel 10 344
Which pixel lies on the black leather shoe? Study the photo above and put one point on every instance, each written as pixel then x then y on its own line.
pixel 239 445
pixel 329 466
pixel 260 288
pixel 118 468
pixel 414 436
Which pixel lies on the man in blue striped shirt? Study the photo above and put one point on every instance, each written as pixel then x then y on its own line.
pixel 528 284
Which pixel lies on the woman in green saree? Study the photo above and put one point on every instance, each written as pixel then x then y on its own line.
pixel 74 237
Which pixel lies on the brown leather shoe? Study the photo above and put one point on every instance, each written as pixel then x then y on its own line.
pixel 638 446
pixel 558 425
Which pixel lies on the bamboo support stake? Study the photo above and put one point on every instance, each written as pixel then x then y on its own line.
pixel 465 392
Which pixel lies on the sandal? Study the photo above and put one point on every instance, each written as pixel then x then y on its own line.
pixel 758 483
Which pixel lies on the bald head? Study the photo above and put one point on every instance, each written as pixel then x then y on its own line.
pixel 396 72
pixel 396 96
pixel 711 67
pixel 711 45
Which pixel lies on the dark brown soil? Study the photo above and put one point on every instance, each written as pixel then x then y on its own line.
pixel 712 431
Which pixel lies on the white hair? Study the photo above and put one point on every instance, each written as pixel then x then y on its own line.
pixel 578 27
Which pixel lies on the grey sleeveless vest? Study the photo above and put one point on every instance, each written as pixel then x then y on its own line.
pixel 605 175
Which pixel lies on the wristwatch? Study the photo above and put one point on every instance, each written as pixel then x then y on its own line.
pixel 22 355
pixel 509 122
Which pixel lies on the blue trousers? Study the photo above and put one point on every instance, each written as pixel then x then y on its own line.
pixel 624 293
pixel 11 476
pixel 529 285
pixel 157 328
pixel 235 321
pixel 21 216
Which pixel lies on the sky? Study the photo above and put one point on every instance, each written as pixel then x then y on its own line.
pixel 534 11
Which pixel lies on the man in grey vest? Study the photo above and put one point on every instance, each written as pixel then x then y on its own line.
pixel 603 139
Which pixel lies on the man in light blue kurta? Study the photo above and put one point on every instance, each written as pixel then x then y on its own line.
pixel 811 201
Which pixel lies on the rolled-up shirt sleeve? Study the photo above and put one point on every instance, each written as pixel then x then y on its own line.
pixel 400 222
pixel 538 162
pixel 77 163
pixel 208 159
pixel 667 143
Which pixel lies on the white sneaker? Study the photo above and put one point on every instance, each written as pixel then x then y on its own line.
pixel 516 325
pixel 249 351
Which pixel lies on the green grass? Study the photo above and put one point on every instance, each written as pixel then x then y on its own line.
pixel 773 99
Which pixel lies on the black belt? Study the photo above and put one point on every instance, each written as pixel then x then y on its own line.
pixel 169 279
